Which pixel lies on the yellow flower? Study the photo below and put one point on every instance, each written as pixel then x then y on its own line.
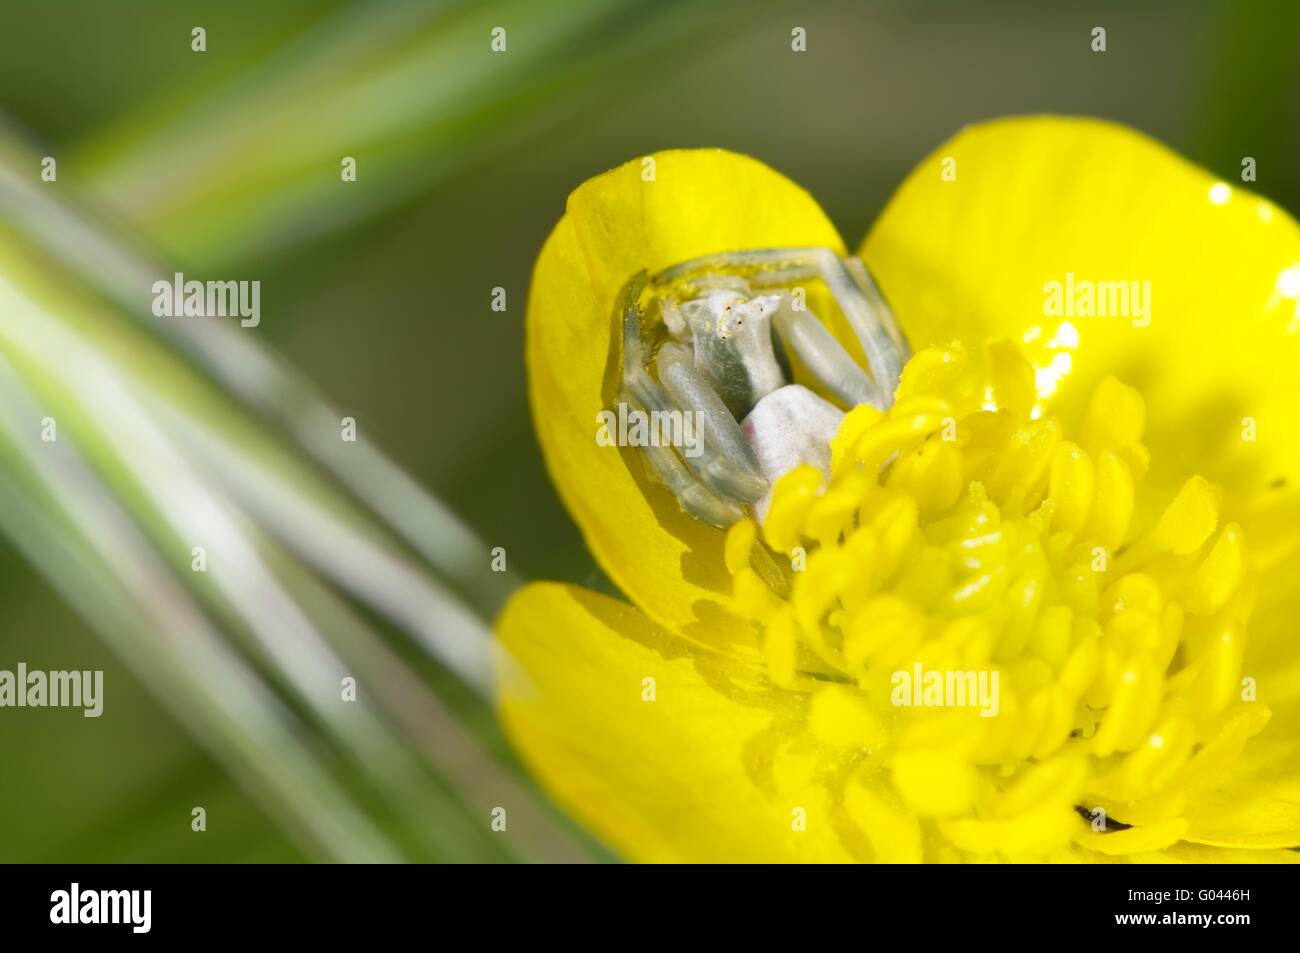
pixel 1096 551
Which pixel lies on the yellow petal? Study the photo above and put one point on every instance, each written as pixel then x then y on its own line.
pixel 697 202
pixel 1134 840
pixel 1198 854
pixel 1037 199
pixel 718 767
pixel 1257 803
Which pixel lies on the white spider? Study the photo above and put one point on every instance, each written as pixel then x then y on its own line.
pixel 725 356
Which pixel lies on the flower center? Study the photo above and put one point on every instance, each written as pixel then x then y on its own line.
pixel 978 622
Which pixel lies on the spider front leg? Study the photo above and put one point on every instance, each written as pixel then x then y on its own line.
pixel 718 473
pixel 666 468
pixel 725 462
pixel 825 358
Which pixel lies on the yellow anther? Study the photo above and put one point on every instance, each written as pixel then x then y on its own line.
pixel 856 423
pixel 1154 762
pixel 842 717
pixel 1023 600
pixel 1133 709
pixel 1229 733
pixel 1116 415
pixel 972 640
pixel 1134 840
pixel 740 542
pixel 983 437
pixel 1056 714
pixel 833 513
pixel 1219 576
pixel 1037 833
pixel 894 517
pixel 1101 691
pixel 1138 458
pixel 1079 587
pixel 792 498
pixel 1071 487
pixel 1050 638
pixel 1134 591
pixel 817 589
pixel 975 517
pixel 934 783
pixel 1002 733
pixel 1133 631
pixel 1058 780
pixel 1189 520
pixel 934 370
pixel 978 592
pixel 883 632
pixel 1112 505
pixel 1031 674
pixel 1217 683
pixel 926 577
pixel 953 730
pixel 932 474
pixel 1171 630
pixel 1080 669
pixel 1013 378
pixel 863 556
pixel 1021 479
pixel 909 422
pixel 1020 744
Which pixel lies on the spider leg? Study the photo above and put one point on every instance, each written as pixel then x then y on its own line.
pixel 665 468
pixel 861 302
pixel 691 482
pixel 826 358
pixel 726 462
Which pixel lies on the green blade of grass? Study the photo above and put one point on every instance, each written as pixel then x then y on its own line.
pixel 178 458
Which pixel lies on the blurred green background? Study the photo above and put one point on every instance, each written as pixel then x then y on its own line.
pixel 226 162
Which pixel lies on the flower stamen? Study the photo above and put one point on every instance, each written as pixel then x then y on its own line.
pixel 949 541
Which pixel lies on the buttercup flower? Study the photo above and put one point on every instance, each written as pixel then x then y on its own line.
pixel 1038 607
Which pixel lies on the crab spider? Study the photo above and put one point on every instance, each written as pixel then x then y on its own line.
pixel 728 327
